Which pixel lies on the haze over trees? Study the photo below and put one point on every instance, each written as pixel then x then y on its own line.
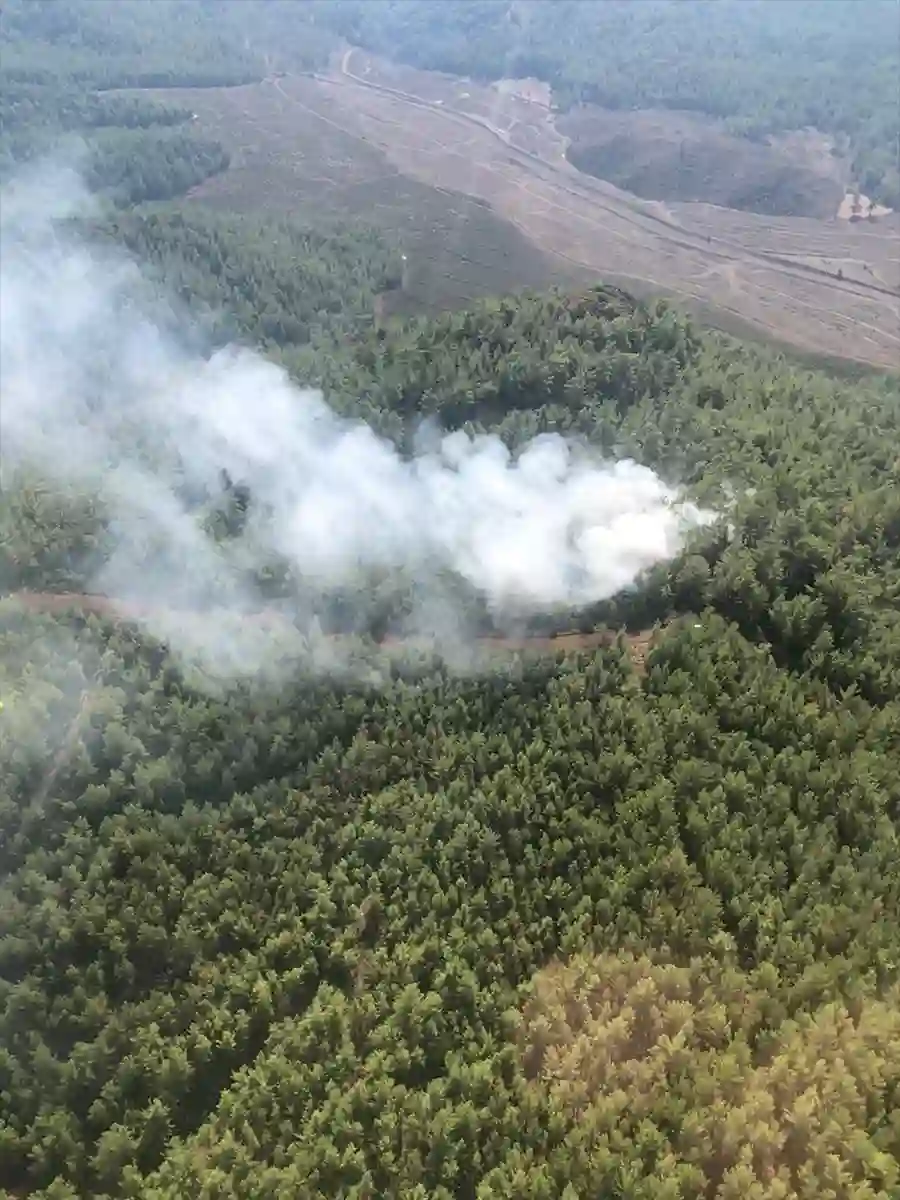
pixel 62 64
pixel 562 926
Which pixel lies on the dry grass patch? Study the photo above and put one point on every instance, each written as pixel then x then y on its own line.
pixel 738 1105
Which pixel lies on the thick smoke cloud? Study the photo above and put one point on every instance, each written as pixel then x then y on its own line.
pixel 98 391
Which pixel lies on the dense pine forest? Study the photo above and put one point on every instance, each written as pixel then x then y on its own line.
pixel 551 923
pixel 566 926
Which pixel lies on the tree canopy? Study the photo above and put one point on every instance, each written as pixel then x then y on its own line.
pixel 299 939
pixel 560 921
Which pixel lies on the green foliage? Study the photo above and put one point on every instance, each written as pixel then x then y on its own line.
pixel 122 43
pixel 555 928
pixel 131 167
pixel 59 62
pixel 275 283
pixel 275 937
pixel 804 463
pixel 268 943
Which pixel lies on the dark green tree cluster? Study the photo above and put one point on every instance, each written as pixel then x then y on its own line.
pixel 278 283
pixel 131 167
pixel 104 44
pixel 559 927
pixel 803 465
pixel 293 939
pixel 25 106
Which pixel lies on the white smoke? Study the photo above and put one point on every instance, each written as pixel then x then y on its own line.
pixel 96 391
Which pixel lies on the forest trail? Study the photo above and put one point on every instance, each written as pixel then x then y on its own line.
pixel 88 604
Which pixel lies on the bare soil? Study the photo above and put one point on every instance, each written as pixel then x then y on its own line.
pixel 680 156
pixel 474 182
pixel 509 152
pixel 294 154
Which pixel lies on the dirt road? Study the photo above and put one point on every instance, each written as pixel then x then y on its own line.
pixel 824 286
pixel 81 604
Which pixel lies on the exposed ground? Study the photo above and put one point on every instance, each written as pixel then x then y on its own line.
pixel 398 146
pixel 681 156
pixel 292 155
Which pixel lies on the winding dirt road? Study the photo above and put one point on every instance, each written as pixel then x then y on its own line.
pixel 827 287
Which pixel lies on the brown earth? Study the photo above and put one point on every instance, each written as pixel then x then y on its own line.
pixel 80 604
pixel 508 151
pixel 286 160
pixel 474 183
pixel 663 155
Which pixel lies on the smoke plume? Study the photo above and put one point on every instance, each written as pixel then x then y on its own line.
pixel 97 391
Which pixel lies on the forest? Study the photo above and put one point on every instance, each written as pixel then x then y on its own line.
pixel 560 924
pixel 63 67
pixel 436 935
